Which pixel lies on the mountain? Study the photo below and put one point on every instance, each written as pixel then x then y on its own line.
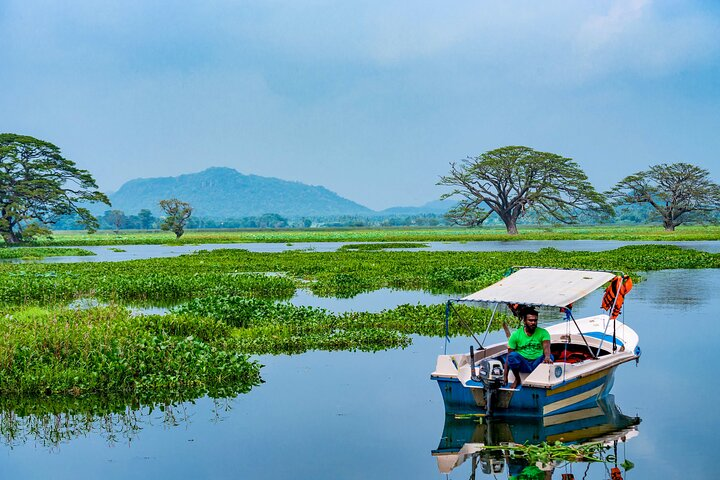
pixel 226 193
pixel 437 207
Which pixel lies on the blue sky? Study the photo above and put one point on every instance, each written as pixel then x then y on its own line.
pixel 370 99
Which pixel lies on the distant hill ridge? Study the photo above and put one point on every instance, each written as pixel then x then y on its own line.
pixel 225 192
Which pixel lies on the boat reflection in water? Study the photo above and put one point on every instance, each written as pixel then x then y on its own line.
pixel 464 437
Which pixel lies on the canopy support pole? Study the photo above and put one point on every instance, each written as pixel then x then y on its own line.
pixel 448 307
pixel 492 317
pixel 447 325
pixel 610 312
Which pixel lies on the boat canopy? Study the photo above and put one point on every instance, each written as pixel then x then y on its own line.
pixel 542 287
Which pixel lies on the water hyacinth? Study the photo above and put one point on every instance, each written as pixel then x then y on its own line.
pixel 380 246
pixel 270 327
pixel 233 307
pixel 106 351
pixel 339 274
pixel 41 252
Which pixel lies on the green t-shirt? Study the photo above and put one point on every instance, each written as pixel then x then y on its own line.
pixel 530 473
pixel 529 347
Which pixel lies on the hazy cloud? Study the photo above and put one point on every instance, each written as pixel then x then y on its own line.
pixel 360 96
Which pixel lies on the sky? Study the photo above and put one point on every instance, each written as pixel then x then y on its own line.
pixel 371 99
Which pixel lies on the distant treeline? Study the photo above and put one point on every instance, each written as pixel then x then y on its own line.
pixel 145 220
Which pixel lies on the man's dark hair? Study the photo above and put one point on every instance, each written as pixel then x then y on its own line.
pixel 528 311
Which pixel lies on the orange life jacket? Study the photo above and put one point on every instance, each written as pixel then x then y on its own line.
pixel 619 286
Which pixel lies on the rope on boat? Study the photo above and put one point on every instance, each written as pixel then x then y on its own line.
pixel 462 322
pixel 610 312
pixel 583 336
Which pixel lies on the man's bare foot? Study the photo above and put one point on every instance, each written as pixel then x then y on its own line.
pixel 515 383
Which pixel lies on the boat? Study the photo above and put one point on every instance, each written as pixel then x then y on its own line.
pixel 586 351
pixel 466 437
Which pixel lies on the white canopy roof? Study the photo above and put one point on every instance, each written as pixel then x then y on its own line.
pixel 542 286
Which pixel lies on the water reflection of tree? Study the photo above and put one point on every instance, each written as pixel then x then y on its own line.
pixel 677 289
pixel 52 422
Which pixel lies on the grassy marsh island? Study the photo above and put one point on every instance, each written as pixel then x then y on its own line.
pixel 107 351
pixel 404 234
pixel 41 252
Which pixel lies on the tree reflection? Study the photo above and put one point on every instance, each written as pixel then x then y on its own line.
pixel 51 422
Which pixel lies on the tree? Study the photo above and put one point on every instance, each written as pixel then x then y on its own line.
pixel 38 185
pixel 146 219
pixel 117 219
pixel 678 192
pixel 271 220
pixel 177 214
pixel 510 181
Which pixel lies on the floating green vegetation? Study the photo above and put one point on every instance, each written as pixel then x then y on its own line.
pixel 381 246
pixel 147 284
pixel 41 252
pixel 116 250
pixel 330 274
pixel 106 352
pixel 232 310
pixel 553 453
pixel 112 358
pixel 598 232
pixel 268 327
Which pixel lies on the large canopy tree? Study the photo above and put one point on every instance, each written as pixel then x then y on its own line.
pixel 513 180
pixel 177 215
pixel 679 192
pixel 37 184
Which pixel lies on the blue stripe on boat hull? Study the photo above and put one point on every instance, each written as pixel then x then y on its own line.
pixel 529 401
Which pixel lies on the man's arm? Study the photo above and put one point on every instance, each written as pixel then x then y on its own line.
pixel 507 329
pixel 546 352
pixel 505 374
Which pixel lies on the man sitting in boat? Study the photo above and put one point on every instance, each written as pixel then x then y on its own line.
pixel 528 347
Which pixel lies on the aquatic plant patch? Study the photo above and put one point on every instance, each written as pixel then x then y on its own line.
pixel 547 454
pixel 331 274
pixel 42 252
pixel 367 247
pixel 106 351
pixel 270 327
pixel 130 282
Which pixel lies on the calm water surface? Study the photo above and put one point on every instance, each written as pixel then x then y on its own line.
pixel 329 415
pixel 137 252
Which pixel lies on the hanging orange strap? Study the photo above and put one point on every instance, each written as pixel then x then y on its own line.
pixel 615 474
pixel 619 286
pixel 514 308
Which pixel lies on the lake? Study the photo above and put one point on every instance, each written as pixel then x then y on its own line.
pixel 329 415
pixel 138 252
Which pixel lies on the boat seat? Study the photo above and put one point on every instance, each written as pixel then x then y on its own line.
pixel 572 354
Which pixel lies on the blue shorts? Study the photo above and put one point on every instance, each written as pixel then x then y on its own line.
pixel 518 363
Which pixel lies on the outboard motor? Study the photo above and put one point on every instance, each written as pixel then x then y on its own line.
pixel 491 464
pixel 491 373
